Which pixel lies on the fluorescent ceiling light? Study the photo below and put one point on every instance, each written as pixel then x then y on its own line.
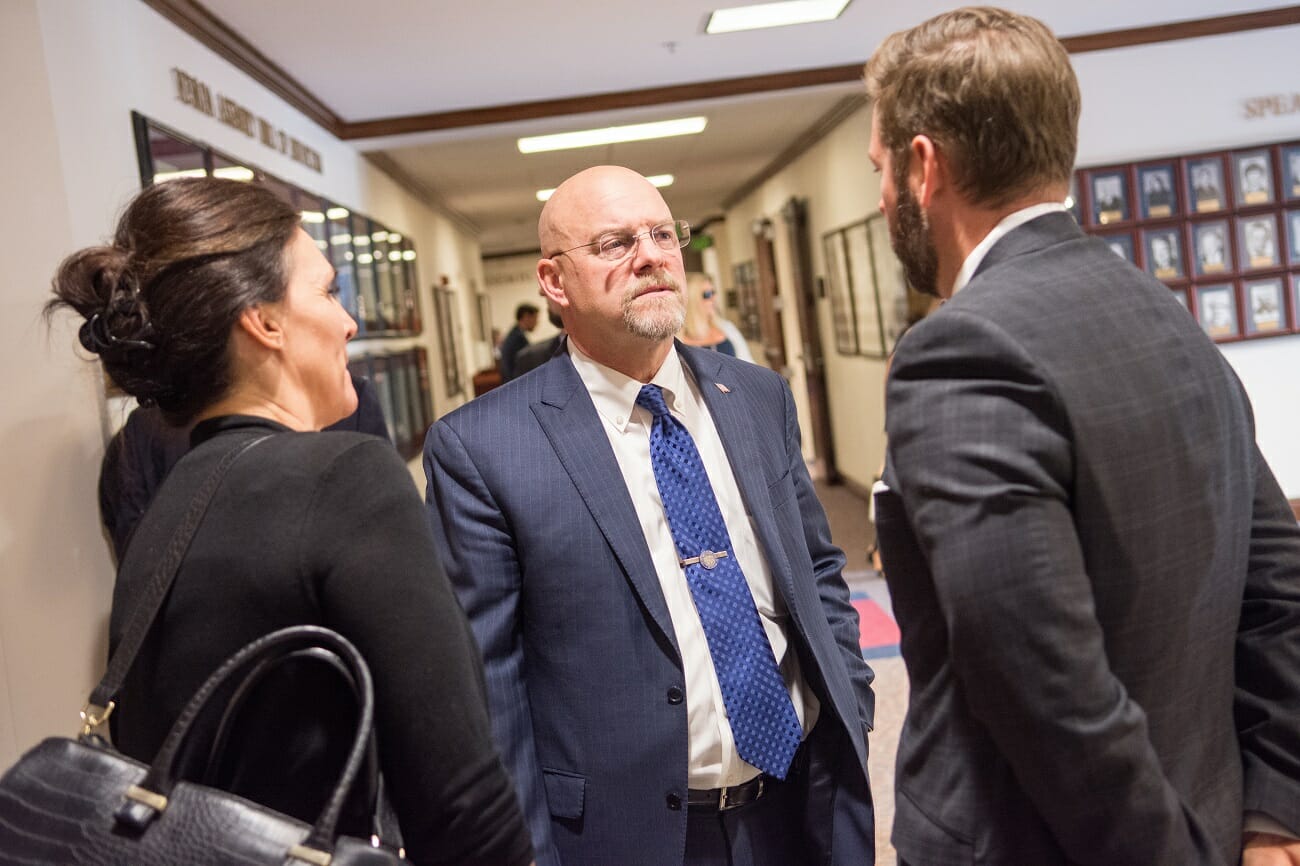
pixel 659 180
pixel 774 15
pixel 336 213
pixel 613 135
pixel 229 172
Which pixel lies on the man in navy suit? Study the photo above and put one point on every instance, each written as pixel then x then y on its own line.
pixel 605 696
pixel 1096 576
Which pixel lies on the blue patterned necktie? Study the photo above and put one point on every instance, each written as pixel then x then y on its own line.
pixel 763 720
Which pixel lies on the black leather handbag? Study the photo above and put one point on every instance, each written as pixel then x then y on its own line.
pixel 79 801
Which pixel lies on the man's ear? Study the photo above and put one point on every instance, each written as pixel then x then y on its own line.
pixel 551 282
pixel 927 171
pixel 261 323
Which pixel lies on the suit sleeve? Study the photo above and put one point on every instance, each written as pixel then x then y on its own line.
pixel 478 553
pixel 828 570
pixel 982 455
pixel 1268 658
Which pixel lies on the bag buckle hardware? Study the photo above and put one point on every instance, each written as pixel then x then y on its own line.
pixel 93 716
pixel 310 855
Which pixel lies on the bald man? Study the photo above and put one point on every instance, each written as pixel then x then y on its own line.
pixel 660 696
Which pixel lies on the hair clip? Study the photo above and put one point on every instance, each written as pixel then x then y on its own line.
pixel 95 336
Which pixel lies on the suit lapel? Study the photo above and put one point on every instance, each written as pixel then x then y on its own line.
pixel 568 418
pixel 732 412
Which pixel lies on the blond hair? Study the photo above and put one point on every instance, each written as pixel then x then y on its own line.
pixel 698 323
pixel 995 92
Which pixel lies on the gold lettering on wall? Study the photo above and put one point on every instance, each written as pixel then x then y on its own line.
pixel 195 93
pixel 236 116
pixel 1258 107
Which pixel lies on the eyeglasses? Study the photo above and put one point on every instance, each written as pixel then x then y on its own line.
pixel 708 294
pixel 616 246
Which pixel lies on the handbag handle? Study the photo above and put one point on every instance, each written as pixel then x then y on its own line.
pixel 100 705
pixel 146 801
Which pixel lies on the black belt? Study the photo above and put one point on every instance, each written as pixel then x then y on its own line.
pixel 722 799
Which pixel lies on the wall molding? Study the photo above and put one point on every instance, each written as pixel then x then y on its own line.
pixel 214 33
pixel 196 20
pixel 824 125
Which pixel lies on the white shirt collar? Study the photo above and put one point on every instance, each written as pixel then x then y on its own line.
pixel 999 231
pixel 614 394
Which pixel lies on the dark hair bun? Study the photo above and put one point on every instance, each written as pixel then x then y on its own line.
pixel 159 301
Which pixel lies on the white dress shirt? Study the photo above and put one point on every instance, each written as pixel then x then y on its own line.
pixel 714 762
pixel 1010 221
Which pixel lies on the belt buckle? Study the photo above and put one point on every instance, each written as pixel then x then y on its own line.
pixel 723 801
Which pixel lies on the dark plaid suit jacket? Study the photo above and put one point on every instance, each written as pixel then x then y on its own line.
pixel 1095 573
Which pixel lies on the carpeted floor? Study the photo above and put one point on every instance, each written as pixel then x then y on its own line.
pixel 850 529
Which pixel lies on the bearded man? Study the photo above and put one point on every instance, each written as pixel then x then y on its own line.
pixel 1096 576
pixel 672 661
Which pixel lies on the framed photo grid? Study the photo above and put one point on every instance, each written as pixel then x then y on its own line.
pixel 1220 229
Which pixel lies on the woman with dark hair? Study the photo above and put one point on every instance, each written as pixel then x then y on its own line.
pixel 214 304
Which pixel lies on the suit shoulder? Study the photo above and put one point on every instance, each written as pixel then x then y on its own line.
pixel 508 400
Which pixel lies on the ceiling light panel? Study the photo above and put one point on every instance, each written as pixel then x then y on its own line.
pixel 659 180
pixel 612 135
pixel 782 14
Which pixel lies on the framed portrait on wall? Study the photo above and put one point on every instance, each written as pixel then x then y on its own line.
pixel 1211 250
pixel 1291 171
pixel 1257 240
pixel 1158 193
pixel 1205 185
pixel 1121 245
pixel 1072 200
pixel 1110 197
pixel 1164 254
pixel 843 319
pixel 1265 310
pixel 1295 299
pixel 1180 295
pixel 866 297
pixel 1253 175
pixel 1293 236
pixel 896 297
pixel 1216 308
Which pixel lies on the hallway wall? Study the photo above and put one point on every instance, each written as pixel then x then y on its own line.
pixel 70 74
pixel 1143 102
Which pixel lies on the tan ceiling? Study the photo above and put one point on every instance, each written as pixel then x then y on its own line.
pixel 415 57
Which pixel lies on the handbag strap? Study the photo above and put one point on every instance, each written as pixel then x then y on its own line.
pixel 149 798
pixel 100 704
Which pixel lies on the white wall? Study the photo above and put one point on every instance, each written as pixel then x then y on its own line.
pixel 55 576
pixel 511 281
pixel 70 74
pixel 841 188
pixel 1138 103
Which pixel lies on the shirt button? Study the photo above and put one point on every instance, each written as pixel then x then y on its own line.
pixel 675 695
pixel 618 419
pixel 674 802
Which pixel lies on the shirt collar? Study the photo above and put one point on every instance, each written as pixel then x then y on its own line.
pixel 1010 221
pixel 614 394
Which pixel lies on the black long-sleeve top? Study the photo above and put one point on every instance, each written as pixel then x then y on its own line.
pixel 326 529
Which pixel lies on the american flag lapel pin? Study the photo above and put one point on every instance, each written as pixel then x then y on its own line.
pixel 723 388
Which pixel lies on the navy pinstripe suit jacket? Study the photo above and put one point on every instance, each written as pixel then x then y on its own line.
pixel 542 542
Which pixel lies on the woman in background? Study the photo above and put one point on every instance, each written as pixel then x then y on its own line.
pixel 704 326
pixel 212 303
